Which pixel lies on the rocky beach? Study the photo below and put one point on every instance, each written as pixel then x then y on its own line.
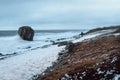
pixel 60 40
pixel 93 56
pixel 61 55
pixel 23 56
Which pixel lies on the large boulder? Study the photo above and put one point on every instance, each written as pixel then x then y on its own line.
pixel 26 33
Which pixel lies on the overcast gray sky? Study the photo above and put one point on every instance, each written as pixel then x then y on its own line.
pixel 59 14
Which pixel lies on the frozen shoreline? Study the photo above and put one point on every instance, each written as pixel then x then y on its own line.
pixel 34 62
pixel 14 44
pixel 82 48
pixel 25 66
pixel 21 60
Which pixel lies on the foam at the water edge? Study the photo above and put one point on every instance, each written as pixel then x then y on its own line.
pixel 14 44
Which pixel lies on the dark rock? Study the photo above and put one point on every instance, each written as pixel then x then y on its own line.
pixel 63 43
pixel 61 39
pixel 117 31
pixel 59 43
pixel 2 58
pixel 14 53
pixel 26 33
pixel 82 34
pixel 28 47
pixel 45 46
pixel 53 42
pixel 1 54
pixel 60 54
pixel 70 47
pixel 79 35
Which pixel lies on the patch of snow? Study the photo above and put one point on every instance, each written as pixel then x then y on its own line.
pixel 14 44
pixel 92 35
pixel 86 37
pixel 110 71
pixel 63 78
pixel 75 77
pixel 66 75
pixel 25 66
pixel 117 77
pixel 84 73
pixel 114 59
pixel 81 77
pixel 99 71
pixel 97 63
pixel 116 34
pixel 102 79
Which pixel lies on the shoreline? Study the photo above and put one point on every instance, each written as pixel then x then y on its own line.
pixel 42 60
pixel 35 60
pixel 25 66
pixel 56 71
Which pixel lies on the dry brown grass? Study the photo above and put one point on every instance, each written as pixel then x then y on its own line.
pixel 85 55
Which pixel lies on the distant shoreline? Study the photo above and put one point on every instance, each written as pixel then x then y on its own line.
pixel 14 32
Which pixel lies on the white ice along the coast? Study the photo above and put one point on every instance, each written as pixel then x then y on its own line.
pixel 14 44
pixel 23 67
pixel 117 77
pixel 94 34
pixel 32 62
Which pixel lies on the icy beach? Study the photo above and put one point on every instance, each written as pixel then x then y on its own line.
pixel 25 66
pixel 21 60
pixel 94 56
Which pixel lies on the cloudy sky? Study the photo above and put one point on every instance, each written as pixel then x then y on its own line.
pixel 59 14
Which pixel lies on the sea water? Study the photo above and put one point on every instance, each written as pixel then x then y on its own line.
pixel 22 60
pixel 11 43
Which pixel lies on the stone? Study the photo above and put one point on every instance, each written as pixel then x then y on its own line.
pixel 26 33
pixel 70 46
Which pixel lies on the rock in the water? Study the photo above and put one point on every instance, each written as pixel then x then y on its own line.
pixel 26 33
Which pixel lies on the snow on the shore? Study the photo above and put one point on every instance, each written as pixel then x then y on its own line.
pixel 24 66
pixel 86 37
pixel 117 77
pixel 33 62
pixel 92 35
pixel 29 62
pixel 14 44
